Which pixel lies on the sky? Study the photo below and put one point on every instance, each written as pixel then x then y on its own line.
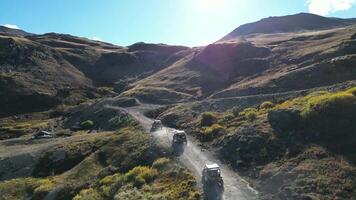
pixel 179 22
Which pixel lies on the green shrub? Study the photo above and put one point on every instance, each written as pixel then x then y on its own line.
pixel 22 188
pixel 119 122
pixel 88 194
pixel 161 163
pixel 352 91
pixel 208 119
pixel 141 175
pixel 44 187
pixel 209 133
pixel 88 124
pixel 331 114
pixel 235 111
pixel 228 117
pixel 249 113
pixel 110 184
pixel 266 105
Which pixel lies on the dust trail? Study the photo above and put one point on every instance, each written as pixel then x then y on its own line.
pixel 195 158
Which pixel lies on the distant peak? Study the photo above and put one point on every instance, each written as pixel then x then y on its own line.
pixel 13 30
pixel 289 23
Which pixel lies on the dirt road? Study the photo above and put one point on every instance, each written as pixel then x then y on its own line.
pixel 195 158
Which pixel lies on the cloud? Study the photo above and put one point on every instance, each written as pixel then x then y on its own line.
pixel 325 7
pixel 97 39
pixel 11 26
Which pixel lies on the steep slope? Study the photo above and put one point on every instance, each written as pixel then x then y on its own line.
pixel 31 76
pixel 301 61
pixel 289 23
pixel 200 73
pixel 254 64
pixel 106 63
pixel 39 71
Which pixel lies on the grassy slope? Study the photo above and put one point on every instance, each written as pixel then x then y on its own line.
pixel 253 65
pixel 302 148
pixel 124 163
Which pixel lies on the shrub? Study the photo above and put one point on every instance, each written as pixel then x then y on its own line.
pixel 88 124
pixel 227 117
pixel 119 122
pixel 22 188
pixel 235 111
pixel 209 133
pixel 141 175
pixel 352 91
pixel 249 113
pixel 266 105
pixel 161 163
pixel 88 194
pixel 208 119
pixel 331 114
pixel 45 186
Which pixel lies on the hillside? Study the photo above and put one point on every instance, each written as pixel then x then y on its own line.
pixel 14 32
pixel 255 64
pixel 273 103
pixel 43 70
pixel 291 23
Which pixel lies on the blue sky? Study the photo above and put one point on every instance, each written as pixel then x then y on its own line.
pixel 183 22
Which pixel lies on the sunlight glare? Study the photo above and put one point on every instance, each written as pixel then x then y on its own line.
pixel 210 5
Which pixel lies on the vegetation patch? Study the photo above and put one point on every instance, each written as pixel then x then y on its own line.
pixel 266 105
pixel 11 128
pixel 23 188
pixel 87 124
pixel 333 115
pixel 163 180
pixel 68 155
pixel 211 132
pixel 208 119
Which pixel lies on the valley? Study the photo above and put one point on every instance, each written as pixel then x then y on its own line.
pixel 272 103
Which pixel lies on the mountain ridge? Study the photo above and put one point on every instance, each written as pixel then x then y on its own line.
pixel 288 23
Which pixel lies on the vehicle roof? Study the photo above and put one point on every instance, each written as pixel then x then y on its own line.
pixel 180 131
pixel 212 166
pixel 44 132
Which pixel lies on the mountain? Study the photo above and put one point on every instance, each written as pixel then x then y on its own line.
pixel 37 70
pixel 15 32
pixel 275 100
pixel 290 23
pixel 264 63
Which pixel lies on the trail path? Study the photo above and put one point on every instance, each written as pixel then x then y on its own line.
pixel 194 158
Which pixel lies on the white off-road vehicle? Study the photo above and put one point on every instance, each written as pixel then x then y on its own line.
pixel 179 142
pixel 179 137
pixel 211 175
